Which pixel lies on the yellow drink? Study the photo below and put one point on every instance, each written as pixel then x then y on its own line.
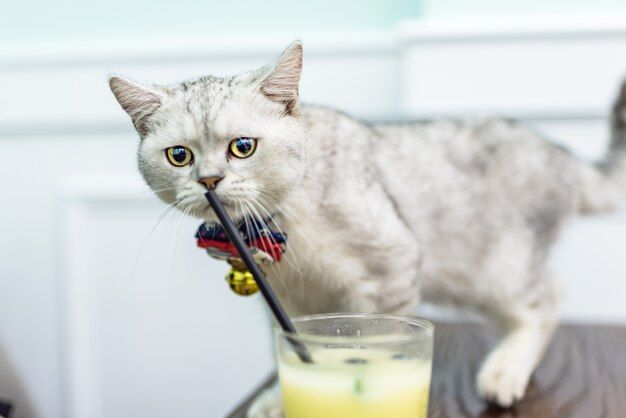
pixel 353 365
pixel 355 383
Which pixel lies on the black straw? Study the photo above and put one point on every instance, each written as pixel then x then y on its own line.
pixel 266 290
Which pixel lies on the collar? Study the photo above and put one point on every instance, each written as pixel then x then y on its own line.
pixel 213 238
pixel 251 231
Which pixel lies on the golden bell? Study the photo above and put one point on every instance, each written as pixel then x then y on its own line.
pixel 242 282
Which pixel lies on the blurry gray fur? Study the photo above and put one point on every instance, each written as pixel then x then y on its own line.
pixel 382 216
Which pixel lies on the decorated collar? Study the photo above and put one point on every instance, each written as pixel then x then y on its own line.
pixel 259 236
pixel 266 246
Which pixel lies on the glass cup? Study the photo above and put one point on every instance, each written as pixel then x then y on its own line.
pixel 363 366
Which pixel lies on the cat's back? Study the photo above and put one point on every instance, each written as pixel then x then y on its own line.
pixel 477 166
pixel 338 145
pixel 329 127
pixel 482 157
pixel 460 139
pixel 474 149
pixel 466 144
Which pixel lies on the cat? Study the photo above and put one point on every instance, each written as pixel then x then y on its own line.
pixel 380 217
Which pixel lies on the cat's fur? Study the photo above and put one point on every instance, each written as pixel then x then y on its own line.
pixel 382 216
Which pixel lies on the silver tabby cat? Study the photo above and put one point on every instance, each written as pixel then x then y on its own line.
pixel 380 216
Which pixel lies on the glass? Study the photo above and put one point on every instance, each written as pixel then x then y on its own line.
pixel 364 366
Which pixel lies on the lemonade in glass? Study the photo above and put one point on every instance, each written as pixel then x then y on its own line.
pixel 363 366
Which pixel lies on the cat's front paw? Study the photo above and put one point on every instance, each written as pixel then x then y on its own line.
pixel 269 404
pixel 502 381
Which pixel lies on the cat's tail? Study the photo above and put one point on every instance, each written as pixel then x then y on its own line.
pixel 603 185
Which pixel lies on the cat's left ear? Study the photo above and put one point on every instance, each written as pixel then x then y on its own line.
pixel 138 101
pixel 280 83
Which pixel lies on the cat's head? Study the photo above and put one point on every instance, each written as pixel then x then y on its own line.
pixel 241 135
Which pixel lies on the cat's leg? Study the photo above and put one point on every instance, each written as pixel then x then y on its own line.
pixel 527 330
pixel 269 404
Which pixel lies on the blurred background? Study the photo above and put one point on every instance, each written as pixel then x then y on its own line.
pixel 107 309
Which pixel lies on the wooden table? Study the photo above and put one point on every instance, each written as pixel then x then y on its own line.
pixel 583 375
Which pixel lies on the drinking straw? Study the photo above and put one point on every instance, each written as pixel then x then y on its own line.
pixel 270 297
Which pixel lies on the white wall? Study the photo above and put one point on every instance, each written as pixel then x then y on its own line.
pixel 99 316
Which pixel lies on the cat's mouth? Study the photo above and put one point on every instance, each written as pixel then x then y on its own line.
pixel 232 208
pixel 238 207
pixel 226 203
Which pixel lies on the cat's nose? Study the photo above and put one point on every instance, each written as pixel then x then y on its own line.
pixel 211 182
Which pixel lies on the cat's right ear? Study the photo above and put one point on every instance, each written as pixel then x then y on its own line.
pixel 280 83
pixel 138 101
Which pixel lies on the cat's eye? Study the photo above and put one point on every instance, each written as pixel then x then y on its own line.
pixel 242 147
pixel 179 156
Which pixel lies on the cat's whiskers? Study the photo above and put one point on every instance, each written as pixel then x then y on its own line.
pixel 274 268
pixel 290 213
pixel 167 210
pixel 150 194
pixel 285 209
pixel 264 224
pixel 290 253
pixel 303 232
pixel 248 220
pixel 324 182
pixel 244 215
pixel 255 197
pixel 172 248
pixel 182 206
pixel 160 218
